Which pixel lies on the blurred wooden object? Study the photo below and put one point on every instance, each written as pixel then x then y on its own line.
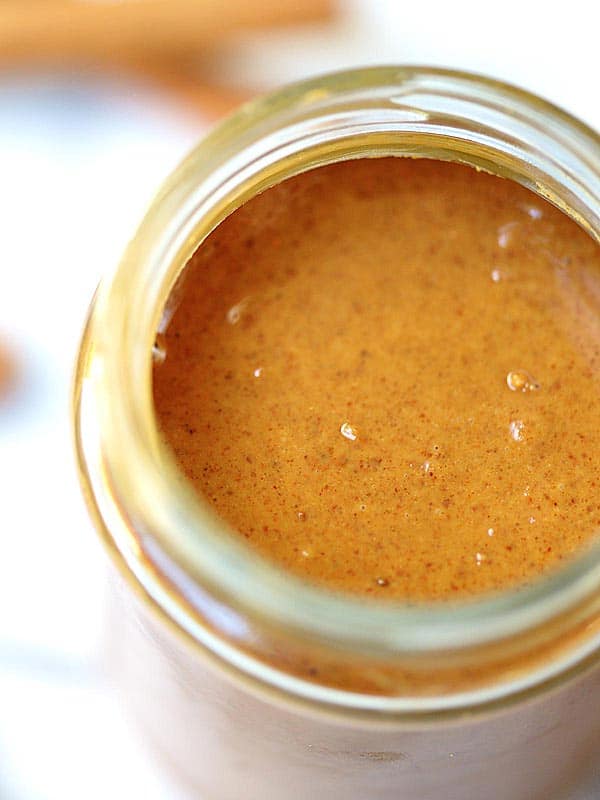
pixel 211 102
pixel 202 99
pixel 8 370
pixel 60 31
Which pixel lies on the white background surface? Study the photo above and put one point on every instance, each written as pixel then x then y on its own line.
pixel 80 157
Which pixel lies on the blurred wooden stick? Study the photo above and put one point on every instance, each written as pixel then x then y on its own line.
pixel 67 30
pixel 8 369
pixel 201 98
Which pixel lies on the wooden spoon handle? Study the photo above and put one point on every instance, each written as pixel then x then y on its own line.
pixel 67 30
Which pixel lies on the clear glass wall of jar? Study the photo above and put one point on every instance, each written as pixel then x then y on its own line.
pixel 250 683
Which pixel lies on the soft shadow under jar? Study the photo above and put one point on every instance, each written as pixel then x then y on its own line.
pixel 251 676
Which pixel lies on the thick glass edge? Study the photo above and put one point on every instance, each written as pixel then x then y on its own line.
pixel 390 628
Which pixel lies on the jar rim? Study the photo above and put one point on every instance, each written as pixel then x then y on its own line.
pixel 166 536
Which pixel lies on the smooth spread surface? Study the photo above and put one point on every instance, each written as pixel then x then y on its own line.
pixel 384 374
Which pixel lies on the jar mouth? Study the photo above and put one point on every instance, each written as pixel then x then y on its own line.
pixel 174 545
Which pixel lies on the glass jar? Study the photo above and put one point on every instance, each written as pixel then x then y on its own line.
pixel 251 683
